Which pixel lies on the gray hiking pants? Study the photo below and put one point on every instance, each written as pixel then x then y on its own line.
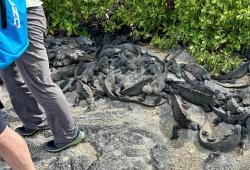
pixel 33 67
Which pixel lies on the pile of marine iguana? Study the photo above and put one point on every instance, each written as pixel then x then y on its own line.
pixel 215 106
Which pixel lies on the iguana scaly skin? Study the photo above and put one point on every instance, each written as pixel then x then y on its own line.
pixel 82 66
pixel 179 114
pixel 129 50
pixel 107 50
pixel 107 88
pixel 193 96
pixel 233 86
pixel 231 119
pixel 176 69
pixel 137 89
pixel 84 92
pixel 237 73
pixel 226 143
pixel 160 62
pixel 246 96
pixel 64 73
pixel 197 85
pixel 197 71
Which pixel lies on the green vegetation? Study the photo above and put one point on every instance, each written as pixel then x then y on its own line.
pixel 214 31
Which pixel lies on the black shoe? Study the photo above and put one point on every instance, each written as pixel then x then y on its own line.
pixel 51 146
pixel 23 131
pixel 1 105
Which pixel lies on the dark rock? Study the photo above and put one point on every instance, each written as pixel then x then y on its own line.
pixel 84 41
pixel 161 158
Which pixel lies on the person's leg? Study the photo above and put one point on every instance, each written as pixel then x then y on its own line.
pixel 34 68
pixel 13 148
pixel 26 107
pixel 15 151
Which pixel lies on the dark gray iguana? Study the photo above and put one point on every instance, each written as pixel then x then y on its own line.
pixel 197 71
pixel 84 92
pixel 108 90
pixel 224 137
pixel 181 115
pixel 137 89
pixel 200 86
pixel 234 86
pixel 155 88
pixel 108 50
pixel 237 73
pixel 231 118
pixel 63 73
pixel 149 85
pixel 192 95
pixel 186 115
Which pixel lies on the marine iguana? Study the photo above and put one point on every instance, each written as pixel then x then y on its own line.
pixel 220 142
pixel 192 95
pixel 231 118
pixel 155 88
pixel 182 116
pixel 233 86
pixel 87 72
pixel 129 50
pixel 200 86
pixel 108 90
pixel 176 69
pixel 162 64
pixel 103 64
pixel 64 72
pixel 120 61
pixel 84 92
pixel 197 71
pixel 137 88
pixel 149 85
pixel 232 106
pixel 82 66
pixel 107 50
pixel 246 96
pixel 136 63
pixel 237 73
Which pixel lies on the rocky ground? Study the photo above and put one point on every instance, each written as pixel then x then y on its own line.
pixel 128 137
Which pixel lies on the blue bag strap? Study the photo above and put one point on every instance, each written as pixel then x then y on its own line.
pixel 3 14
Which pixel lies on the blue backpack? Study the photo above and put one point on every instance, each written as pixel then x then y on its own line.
pixel 13 31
